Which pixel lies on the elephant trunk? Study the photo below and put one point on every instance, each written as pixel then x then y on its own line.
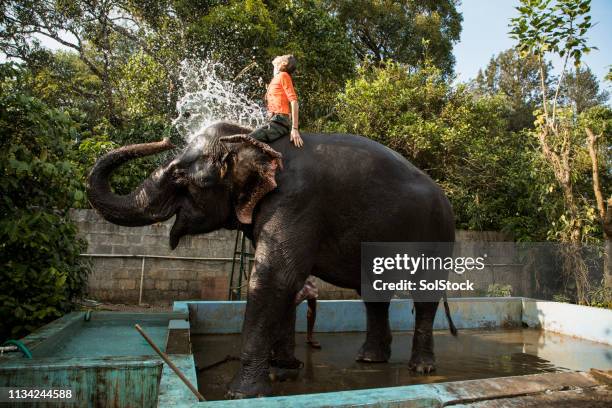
pixel 152 201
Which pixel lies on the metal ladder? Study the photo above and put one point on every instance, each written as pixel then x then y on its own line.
pixel 242 258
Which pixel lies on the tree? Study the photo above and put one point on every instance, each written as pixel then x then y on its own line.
pixel 518 79
pixel 41 271
pixel 580 89
pixel 543 28
pixel 62 80
pixel 405 31
pixel 95 30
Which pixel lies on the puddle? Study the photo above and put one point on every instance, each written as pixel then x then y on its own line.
pixel 474 354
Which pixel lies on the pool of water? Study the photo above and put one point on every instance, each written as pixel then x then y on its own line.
pixel 474 354
pixel 103 338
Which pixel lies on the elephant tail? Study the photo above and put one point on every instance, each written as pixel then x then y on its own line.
pixel 451 325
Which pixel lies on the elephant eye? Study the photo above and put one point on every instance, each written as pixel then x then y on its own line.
pixel 208 181
pixel 180 176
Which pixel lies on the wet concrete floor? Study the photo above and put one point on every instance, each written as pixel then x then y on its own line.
pixel 474 354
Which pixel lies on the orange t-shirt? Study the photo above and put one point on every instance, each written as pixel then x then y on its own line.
pixel 280 93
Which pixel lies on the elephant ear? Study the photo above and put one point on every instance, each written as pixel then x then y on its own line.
pixel 253 172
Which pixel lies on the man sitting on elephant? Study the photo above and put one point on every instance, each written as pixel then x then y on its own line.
pixel 281 100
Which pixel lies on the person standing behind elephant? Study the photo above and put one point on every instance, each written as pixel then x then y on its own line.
pixel 281 101
pixel 310 293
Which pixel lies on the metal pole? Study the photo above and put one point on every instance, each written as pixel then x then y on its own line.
pixel 184 258
pixel 231 280
pixel 167 360
pixel 141 280
pixel 241 266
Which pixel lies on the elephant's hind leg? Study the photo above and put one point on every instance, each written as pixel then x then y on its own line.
pixel 377 347
pixel 422 360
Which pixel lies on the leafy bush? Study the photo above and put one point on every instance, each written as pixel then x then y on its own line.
pixel 40 268
pixel 561 298
pixel 601 296
pixel 499 290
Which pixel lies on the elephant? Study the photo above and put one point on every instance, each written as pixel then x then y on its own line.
pixel 306 210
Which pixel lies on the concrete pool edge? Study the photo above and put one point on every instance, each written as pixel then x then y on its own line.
pixel 569 319
pixel 424 395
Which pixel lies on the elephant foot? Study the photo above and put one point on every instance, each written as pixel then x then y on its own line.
pixel 422 363
pixel 246 384
pixel 372 352
pixel 283 374
pixel 281 370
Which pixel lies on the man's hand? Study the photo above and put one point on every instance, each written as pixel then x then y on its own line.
pixel 296 138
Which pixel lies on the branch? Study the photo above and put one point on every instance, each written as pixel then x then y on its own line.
pixel 550 155
pixel 559 87
pixel 543 87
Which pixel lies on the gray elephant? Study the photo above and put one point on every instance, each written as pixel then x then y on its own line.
pixel 306 211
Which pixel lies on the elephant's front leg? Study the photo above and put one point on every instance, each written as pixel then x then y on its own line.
pixel 270 297
pixel 283 364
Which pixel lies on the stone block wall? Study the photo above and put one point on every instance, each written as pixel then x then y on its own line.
pixel 116 251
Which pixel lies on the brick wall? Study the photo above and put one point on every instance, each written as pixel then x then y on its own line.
pixel 117 272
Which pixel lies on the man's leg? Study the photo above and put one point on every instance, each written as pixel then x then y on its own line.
pixel 311 317
pixel 269 132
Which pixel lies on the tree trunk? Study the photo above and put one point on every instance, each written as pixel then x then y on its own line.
pixel 607 227
pixel 573 264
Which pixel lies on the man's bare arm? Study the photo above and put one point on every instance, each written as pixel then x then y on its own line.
pixel 296 138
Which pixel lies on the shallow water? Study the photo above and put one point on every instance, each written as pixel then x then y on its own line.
pixel 474 354
pixel 108 338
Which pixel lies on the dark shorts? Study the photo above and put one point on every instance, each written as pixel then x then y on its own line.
pixel 275 128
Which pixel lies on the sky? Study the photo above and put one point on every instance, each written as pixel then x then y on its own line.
pixel 485 34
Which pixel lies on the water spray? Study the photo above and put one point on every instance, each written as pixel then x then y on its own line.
pixel 209 94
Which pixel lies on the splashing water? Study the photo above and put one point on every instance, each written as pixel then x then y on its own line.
pixel 207 98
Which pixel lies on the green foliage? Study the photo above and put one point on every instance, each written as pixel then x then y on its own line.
pixel 460 140
pixel 601 296
pixel 41 271
pixel 580 89
pixel 518 80
pixel 560 28
pixel 141 82
pixel 499 290
pixel 561 298
pixel 405 31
